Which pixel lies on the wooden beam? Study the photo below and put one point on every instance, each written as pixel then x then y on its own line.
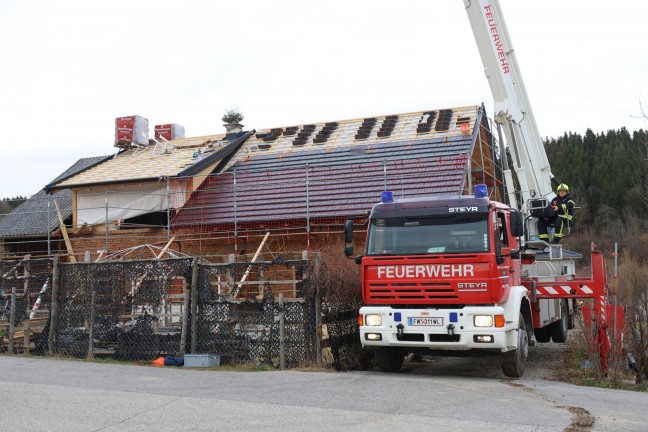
pixel 101 254
pixel 254 258
pixel 74 208
pixel 143 277
pixel 68 244
pixel 166 247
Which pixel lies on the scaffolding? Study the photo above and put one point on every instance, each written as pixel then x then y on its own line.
pixel 215 216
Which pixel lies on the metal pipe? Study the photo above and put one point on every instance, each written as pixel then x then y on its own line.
pixel 168 208
pixel 514 145
pixel 469 170
pixel 502 149
pixel 307 210
pixel 106 193
pixel 235 214
pixel 385 173
pixel 49 228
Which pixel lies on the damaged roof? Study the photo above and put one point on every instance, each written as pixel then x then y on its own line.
pixel 365 132
pixel 33 218
pixel 178 157
pixel 338 169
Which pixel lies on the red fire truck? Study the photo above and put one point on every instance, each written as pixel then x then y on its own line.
pixel 447 275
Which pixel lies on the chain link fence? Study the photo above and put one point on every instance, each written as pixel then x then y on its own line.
pixel 245 323
pixel 338 279
pixel 25 297
pixel 130 310
pixel 262 312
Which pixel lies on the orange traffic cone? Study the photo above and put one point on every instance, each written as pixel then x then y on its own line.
pixel 158 362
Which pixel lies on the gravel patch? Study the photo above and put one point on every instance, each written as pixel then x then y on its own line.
pixel 543 362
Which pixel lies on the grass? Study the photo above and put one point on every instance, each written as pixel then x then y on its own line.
pixel 571 372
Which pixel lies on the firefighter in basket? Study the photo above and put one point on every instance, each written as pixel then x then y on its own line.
pixel 559 215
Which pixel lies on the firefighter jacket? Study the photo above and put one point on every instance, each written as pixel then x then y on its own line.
pixel 564 206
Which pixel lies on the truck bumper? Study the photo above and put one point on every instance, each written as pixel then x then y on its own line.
pixel 440 329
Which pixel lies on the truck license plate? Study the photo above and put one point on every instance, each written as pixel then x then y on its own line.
pixel 425 321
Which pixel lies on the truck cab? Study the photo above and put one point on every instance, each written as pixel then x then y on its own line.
pixel 444 274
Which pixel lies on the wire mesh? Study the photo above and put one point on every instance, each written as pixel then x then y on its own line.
pixel 242 324
pixel 339 317
pixel 31 280
pixel 132 310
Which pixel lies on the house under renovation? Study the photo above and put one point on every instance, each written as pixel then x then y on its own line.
pixel 296 185
pixel 290 188
pixel 34 227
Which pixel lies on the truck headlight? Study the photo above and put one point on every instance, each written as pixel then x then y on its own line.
pixel 483 320
pixel 373 320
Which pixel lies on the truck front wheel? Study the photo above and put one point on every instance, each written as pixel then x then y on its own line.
pixel 389 359
pixel 513 361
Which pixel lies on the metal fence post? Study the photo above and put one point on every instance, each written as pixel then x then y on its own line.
pixel 26 276
pixel 318 325
pixel 185 323
pixel 93 300
pixel 54 305
pixel 194 305
pixel 12 316
pixel 282 333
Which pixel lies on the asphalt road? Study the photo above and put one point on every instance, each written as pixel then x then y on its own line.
pixel 57 395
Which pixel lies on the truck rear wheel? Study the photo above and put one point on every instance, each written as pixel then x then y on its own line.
pixel 389 359
pixel 542 334
pixel 560 328
pixel 514 361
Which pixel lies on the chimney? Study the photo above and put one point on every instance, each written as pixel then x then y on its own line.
pixel 233 128
pixel 169 131
pixel 131 131
pixel 232 119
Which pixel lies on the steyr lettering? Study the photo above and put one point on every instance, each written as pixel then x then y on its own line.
pixel 462 209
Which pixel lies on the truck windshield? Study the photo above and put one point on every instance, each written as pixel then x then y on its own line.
pixel 428 235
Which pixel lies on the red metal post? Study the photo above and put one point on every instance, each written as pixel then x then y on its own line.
pixel 599 275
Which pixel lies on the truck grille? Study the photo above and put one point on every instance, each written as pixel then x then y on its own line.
pixel 411 291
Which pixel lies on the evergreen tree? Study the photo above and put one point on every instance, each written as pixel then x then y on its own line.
pixel 607 174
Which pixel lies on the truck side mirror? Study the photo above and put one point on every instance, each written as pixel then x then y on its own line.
pixel 517 224
pixel 348 238
pixel 348 231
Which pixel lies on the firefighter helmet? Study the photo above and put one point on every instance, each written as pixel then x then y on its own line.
pixel 562 186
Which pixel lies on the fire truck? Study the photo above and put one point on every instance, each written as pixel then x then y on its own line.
pixel 466 274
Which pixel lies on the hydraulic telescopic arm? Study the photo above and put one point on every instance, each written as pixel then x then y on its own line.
pixel 513 113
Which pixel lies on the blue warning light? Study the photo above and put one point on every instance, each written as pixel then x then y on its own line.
pixel 387 197
pixel 397 316
pixel 453 317
pixel 481 191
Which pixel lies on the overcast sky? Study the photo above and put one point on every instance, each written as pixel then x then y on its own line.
pixel 68 68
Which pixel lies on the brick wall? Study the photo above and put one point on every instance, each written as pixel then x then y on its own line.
pixel 217 247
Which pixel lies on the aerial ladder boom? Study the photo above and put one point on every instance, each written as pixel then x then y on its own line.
pixel 514 117
pixel 513 114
